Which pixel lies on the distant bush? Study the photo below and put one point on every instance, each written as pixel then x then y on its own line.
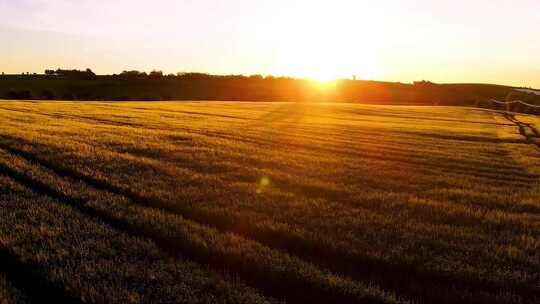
pixel 195 76
pixel 155 74
pixel 72 74
pixel 132 75
pixel 423 83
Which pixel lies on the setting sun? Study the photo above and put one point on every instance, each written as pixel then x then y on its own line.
pixel 326 43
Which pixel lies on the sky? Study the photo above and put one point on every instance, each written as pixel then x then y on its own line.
pixel 480 41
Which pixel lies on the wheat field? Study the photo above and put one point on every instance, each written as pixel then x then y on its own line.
pixel 239 202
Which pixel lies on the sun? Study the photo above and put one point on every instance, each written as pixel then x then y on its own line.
pixel 324 74
pixel 334 49
pixel 328 69
pixel 326 64
pixel 322 57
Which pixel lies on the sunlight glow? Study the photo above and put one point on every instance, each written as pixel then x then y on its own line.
pixel 264 183
pixel 326 46
pixel 389 40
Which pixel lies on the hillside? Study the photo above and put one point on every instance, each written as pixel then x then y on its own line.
pixel 240 88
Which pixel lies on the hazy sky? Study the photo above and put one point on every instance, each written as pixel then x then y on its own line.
pixel 495 41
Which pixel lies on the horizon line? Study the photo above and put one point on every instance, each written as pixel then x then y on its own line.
pixel 263 76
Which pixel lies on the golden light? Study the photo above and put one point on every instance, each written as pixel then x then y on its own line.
pixel 325 46
pixel 263 183
pixel 325 86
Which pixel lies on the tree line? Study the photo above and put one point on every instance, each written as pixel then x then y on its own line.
pixel 66 84
pixel 142 75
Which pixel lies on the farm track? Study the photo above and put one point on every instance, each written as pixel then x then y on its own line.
pixel 389 276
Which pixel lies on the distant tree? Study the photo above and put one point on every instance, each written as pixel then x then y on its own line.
pixel 423 83
pixel 195 76
pixel 89 72
pixel 132 75
pixel 75 74
pixel 50 72
pixel 156 74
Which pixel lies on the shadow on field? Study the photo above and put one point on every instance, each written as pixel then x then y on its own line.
pixel 470 138
pixel 29 279
pixel 411 117
pixel 289 288
pixel 527 130
pixel 78 117
pixel 290 113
